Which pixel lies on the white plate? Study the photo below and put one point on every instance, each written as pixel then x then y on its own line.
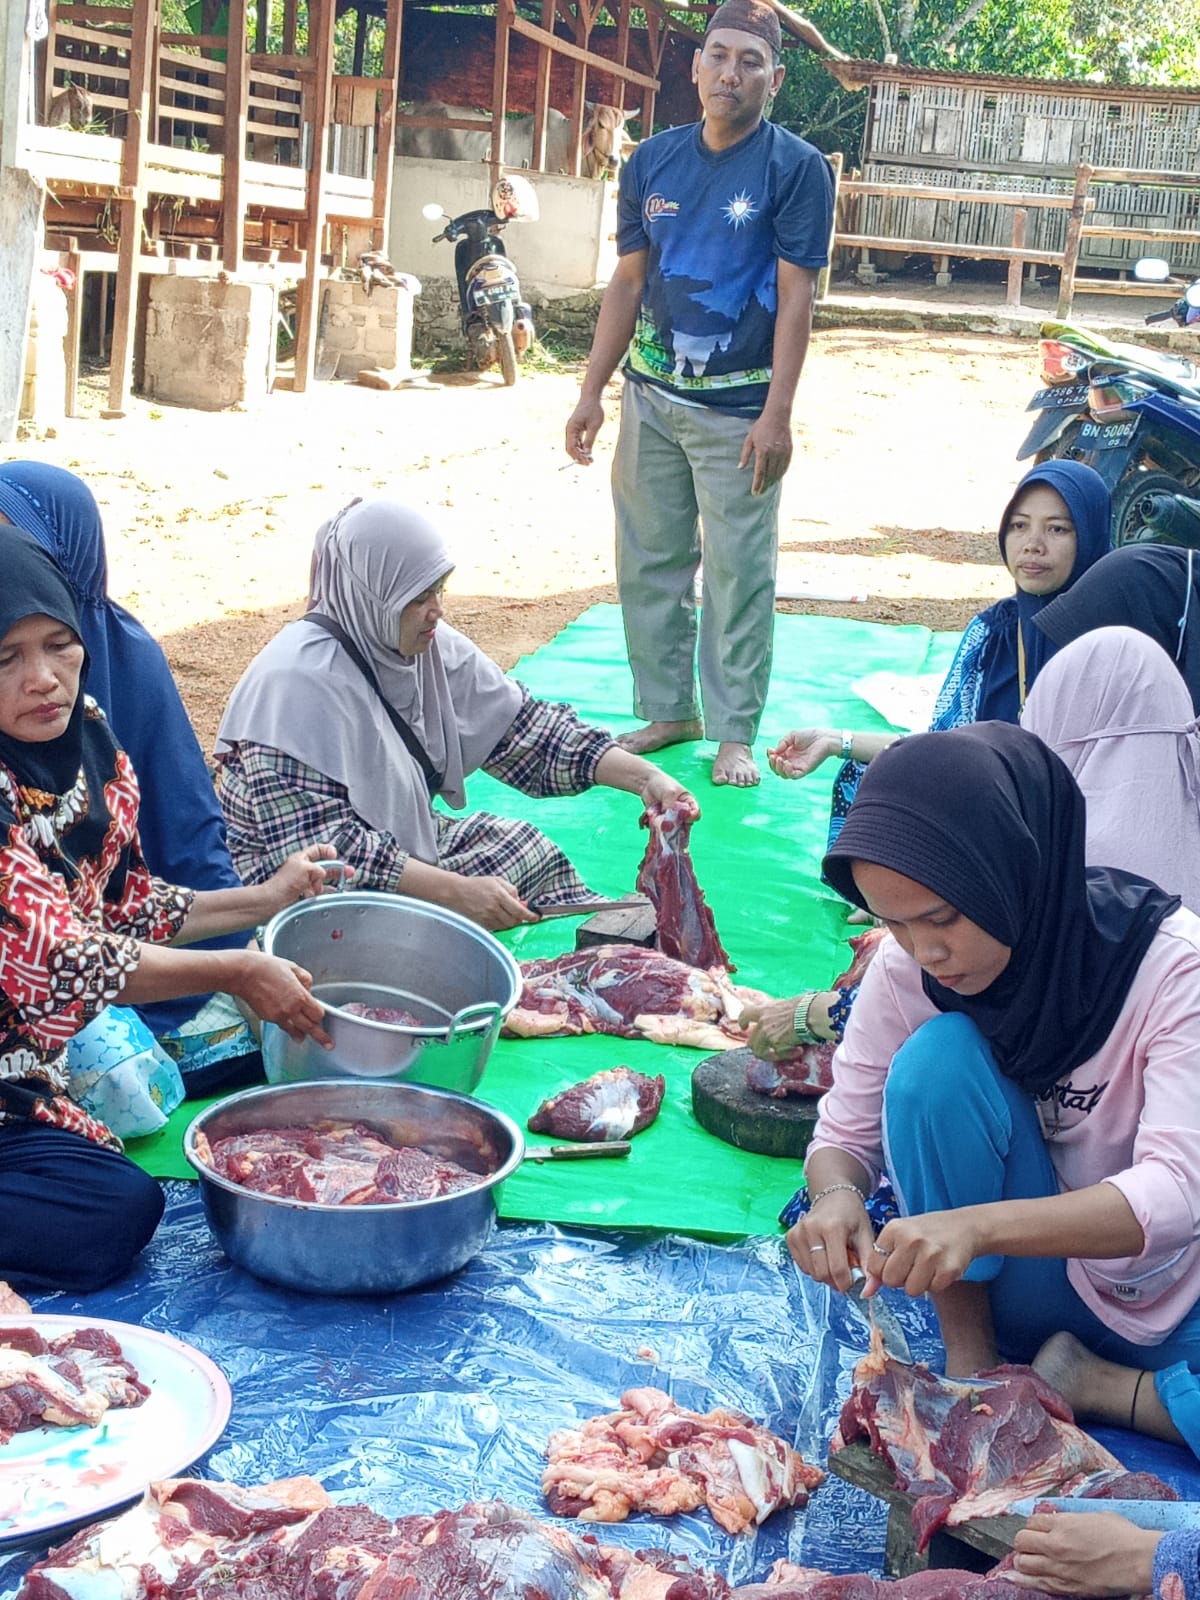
pixel 52 1478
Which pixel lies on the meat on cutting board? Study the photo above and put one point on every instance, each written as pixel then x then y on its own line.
pixel 686 929
pixel 789 1582
pixel 970 1447
pixel 609 1105
pixel 633 993
pixel 654 1455
pixel 809 1068
pixel 337 1164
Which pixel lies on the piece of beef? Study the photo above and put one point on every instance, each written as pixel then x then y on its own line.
pixel 343 1164
pixel 967 1447
pixel 658 1457
pixel 609 1105
pixel 686 929
pixel 102 1365
pixel 11 1303
pixel 396 1015
pixel 789 1582
pixel 631 993
pixel 808 1069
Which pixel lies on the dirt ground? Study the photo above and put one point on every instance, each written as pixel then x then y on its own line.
pixel 905 456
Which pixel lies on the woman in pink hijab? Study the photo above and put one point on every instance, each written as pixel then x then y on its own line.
pixel 1113 706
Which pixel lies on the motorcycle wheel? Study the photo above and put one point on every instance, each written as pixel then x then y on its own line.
pixel 1129 498
pixel 507 352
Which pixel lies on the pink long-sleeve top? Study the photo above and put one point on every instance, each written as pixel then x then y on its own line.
pixel 1129 1116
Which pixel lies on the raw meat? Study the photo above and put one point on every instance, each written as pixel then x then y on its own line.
pixel 686 930
pixel 70 1381
pixel 630 992
pixel 969 1447
pixel 809 1068
pixel 337 1164
pixel 11 1303
pixel 396 1015
pixel 193 1540
pixel 608 1105
pixel 655 1456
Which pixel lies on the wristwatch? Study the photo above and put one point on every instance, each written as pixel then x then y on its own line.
pixel 847 745
pixel 801 1031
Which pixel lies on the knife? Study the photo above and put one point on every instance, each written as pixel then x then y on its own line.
pixel 1154 1514
pixel 558 909
pixel 579 1152
pixel 879 1315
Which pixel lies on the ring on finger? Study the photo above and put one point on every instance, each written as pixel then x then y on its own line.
pixel 880 1250
pixel 813 1248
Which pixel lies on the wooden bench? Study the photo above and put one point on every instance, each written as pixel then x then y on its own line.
pixel 975 1546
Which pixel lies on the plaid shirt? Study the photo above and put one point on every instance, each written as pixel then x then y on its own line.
pixel 275 805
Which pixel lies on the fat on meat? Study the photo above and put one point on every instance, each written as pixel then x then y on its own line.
pixel 609 1105
pixel 11 1303
pixel 632 993
pixel 337 1164
pixel 809 1068
pixel 969 1447
pixel 67 1382
pixel 656 1456
pixel 202 1540
pixel 686 928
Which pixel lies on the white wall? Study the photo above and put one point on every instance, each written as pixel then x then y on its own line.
pixel 569 248
pixel 20 215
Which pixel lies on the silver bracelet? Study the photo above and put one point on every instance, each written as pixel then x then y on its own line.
pixel 850 1188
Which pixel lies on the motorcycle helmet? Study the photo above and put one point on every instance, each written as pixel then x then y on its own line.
pixel 514 199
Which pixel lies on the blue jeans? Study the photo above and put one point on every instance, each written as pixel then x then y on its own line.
pixel 958 1133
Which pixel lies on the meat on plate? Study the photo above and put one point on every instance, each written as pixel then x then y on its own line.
pixel 68 1382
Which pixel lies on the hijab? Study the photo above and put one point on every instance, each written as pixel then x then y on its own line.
pixel 180 826
pixel 1154 588
pixel 990 819
pixel 303 694
pixel 1113 707
pixel 1087 499
pixel 62 780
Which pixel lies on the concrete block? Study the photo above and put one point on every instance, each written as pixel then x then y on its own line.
pixel 944 280
pixel 382 342
pixel 209 343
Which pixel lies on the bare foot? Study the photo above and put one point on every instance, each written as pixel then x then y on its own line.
pixel 735 765
pixel 1102 1391
pixel 658 735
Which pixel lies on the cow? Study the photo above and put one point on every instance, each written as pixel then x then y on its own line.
pixel 602 148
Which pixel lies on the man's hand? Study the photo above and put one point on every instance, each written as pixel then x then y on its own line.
pixel 491 902
pixel 583 425
pixel 769 442
pixel 1092 1553
pixel 279 991
pixel 661 789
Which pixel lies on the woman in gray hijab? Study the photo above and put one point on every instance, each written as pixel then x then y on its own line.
pixel 349 722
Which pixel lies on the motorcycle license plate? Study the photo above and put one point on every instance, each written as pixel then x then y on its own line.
pixel 496 293
pixel 1062 394
pixel 1106 435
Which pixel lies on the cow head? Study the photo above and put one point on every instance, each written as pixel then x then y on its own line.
pixel 604 146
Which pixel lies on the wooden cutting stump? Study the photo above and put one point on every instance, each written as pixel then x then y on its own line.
pixel 724 1105
pixel 634 925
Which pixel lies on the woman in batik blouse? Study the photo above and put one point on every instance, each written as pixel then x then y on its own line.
pixel 353 719
pixel 83 923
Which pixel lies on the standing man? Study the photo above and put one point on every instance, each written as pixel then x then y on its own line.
pixel 723 227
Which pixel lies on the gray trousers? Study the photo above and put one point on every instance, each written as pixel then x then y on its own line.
pixel 675 471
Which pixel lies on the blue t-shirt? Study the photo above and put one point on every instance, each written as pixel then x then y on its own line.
pixel 715 223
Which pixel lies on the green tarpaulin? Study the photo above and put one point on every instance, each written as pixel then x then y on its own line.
pixel 757 855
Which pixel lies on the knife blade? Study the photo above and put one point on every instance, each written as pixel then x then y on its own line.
pixel 1154 1514
pixel 879 1315
pixel 557 909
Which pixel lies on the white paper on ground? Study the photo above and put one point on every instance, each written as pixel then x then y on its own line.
pixel 906 702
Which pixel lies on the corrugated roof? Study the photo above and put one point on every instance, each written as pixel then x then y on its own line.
pixel 860 74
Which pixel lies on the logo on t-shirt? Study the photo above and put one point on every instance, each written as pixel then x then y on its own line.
pixel 657 206
pixel 740 209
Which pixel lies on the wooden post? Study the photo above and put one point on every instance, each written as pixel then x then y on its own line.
pixel 360 41
pixel 289 28
pixel 505 10
pixel 320 55
pixel 836 161
pixel 143 48
pixel 1019 218
pixel 262 25
pixel 237 111
pixel 48 62
pixel 1066 282
pixel 74 323
pixel 541 92
pixel 583 32
pixel 385 126
pixel 623 32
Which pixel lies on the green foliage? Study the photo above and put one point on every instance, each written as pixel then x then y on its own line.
pixel 1101 41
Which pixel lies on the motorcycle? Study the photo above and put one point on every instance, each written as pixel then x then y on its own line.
pixel 497 323
pixel 1131 413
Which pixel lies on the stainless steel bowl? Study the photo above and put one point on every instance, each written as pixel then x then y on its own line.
pixel 327 1249
pixel 388 950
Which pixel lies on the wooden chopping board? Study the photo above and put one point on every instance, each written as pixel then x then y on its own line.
pixel 723 1105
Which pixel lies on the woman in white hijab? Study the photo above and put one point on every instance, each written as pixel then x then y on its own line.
pixel 1113 706
pixel 316 744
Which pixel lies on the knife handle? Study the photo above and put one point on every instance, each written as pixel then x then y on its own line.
pixel 581 1152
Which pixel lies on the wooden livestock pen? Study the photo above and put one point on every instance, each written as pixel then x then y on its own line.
pixel 931 130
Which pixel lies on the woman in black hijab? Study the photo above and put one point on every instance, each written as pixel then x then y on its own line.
pixel 1154 588
pixel 82 923
pixel 1021 1059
